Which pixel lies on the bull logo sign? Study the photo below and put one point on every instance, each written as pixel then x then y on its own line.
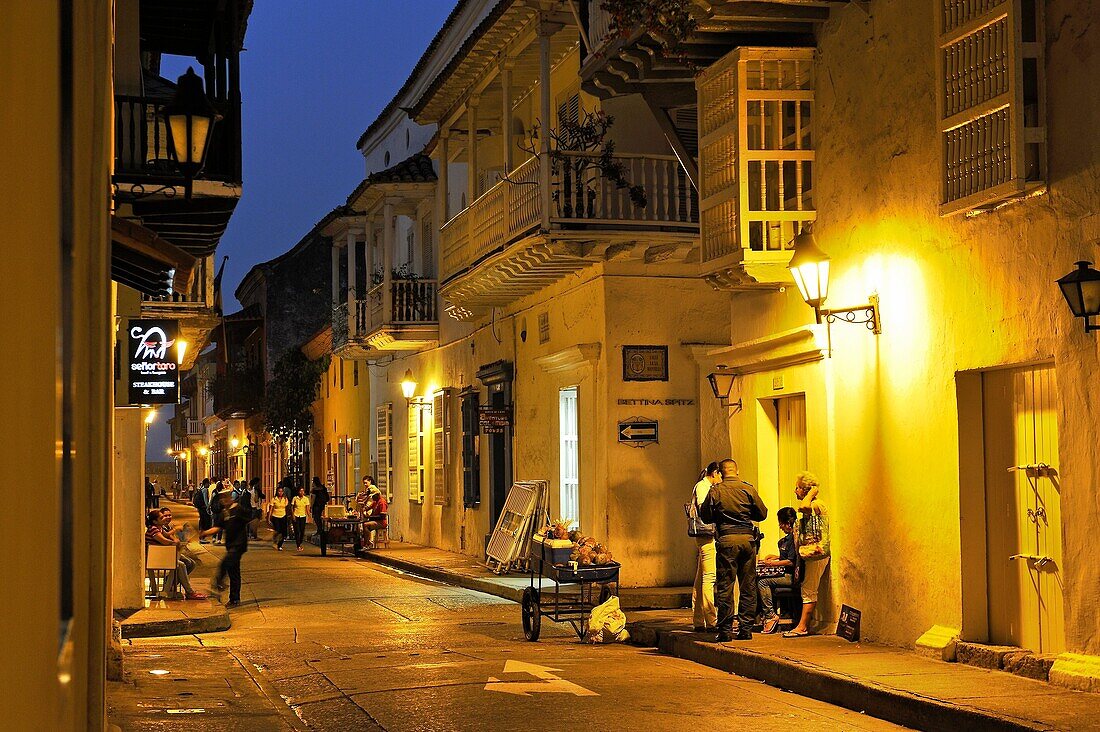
pixel 153 374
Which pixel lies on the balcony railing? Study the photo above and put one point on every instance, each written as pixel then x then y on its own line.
pixel 599 25
pixel 198 296
pixel 141 143
pixel 239 393
pixel 412 302
pixel 579 198
pixel 194 427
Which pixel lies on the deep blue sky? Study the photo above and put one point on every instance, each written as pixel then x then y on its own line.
pixel 313 76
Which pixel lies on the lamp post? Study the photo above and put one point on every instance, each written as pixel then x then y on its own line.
pixel 810 268
pixel 1081 288
pixel 190 119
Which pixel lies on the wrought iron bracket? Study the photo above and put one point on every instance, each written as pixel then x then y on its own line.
pixel 151 186
pixel 866 315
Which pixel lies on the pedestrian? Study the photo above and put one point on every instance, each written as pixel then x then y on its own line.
pixel 788 560
pixel 233 522
pixel 811 536
pixel 376 516
pixel 732 506
pixel 150 494
pixel 256 496
pixel 320 497
pixel 200 499
pixel 215 506
pixel 704 612
pixel 299 506
pixel 277 515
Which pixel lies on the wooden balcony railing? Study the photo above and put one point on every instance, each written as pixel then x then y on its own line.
pixel 141 143
pixel 599 25
pixel 412 302
pixel 194 427
pixel 579 196
pixel 199 296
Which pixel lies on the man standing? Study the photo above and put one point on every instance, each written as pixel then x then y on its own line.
pixel 732 506
pixel 233 521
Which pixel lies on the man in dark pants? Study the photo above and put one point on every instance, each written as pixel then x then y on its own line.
pixel 732 506
pixel 233 521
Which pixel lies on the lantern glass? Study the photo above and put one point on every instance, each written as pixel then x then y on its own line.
pixel 721 383
pixel 1081 288
pixel 190 119
pixel 810 269
pixel 408 385
pixel 190 133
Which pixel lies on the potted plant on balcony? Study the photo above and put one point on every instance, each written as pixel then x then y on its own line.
pixel 669 22
pixel 413 300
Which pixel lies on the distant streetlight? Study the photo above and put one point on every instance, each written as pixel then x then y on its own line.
pixel 204 450
pixel 1081 288
pixel 150 417
pixel 190 121
pixel 234 443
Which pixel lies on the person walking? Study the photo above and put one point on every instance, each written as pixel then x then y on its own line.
pixel 200 499
pixel 704 612
pixel 811 536
pixel 320 496
pixel 277 515
pixel 299 507
pixel 215 507
pixel 233 522
pixel 732 506
pixel 256 497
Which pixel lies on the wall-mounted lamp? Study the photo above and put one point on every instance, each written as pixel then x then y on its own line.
pixel 181 350
pixel 234 443
pixel 190 119
pixel 204 450
pixel 408 389
pixel 810 268
pixel 1081 288
pixel 721 384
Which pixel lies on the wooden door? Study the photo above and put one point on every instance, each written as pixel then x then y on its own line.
pixel 791 413
pixel 1023 509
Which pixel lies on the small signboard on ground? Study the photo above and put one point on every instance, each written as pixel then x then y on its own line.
pixel 848 625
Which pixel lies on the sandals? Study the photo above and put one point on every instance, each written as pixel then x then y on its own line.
pixel 770 625
pixel 796 634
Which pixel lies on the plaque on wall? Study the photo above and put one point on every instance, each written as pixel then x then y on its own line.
pixel 645 363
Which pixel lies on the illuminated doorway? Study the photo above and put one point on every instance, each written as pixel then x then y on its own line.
pixel 568 449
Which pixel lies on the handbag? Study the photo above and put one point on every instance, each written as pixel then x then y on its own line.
pixel 813 537
pixel 696 525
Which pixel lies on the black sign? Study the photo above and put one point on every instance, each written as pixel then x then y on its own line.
pixel 848 625
pixel 645 363
pixel 635 431
pixel 152 373
pixel 494 420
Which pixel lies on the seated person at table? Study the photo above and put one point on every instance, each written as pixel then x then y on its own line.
pixel 787 559
pixel 362 498
pixel 374 516
pixel 155 533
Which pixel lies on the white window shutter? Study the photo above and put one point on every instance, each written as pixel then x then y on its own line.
pixel 989 67
pixel 416 453
pixel 440 445
pixel 384 445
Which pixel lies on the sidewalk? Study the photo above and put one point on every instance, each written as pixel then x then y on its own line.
pixel 182 617
pixel 889 683
pixel 463 571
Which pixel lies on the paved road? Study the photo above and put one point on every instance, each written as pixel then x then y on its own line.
pixel 350 645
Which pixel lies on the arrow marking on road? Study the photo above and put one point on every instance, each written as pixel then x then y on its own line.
pixel 550 683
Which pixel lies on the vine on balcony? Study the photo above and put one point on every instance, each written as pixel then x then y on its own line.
pixel 670 22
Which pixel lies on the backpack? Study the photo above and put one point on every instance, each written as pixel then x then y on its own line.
pixel 696 526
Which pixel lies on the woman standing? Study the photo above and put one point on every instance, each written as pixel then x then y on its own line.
pixel 276 514
pixel 320 497
pixel 704 611
pixel 811 535
pixel 299 512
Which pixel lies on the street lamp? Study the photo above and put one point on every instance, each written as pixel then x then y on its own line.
pixel 190 119
pixel 721 383
pixel 810 268
pixel 181 349
pixel 1081 288
pixel 234 443
pixel 203 450
pixel 408 385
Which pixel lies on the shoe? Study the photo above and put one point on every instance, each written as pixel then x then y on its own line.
pixel 278 548
pixel 771 625
pixel 233 603
pixel 724 636
pixel 743 635
pixel 796 634
pixel 195 596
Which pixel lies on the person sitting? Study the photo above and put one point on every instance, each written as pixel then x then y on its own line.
pixel 788 560
pixel 362 498
pixel 375 517
pixel 155 534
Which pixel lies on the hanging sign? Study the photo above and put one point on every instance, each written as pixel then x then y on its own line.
pixel 152 374
pixel 848 625
pixel 494 420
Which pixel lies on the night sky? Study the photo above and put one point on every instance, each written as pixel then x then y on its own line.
pixel 313 76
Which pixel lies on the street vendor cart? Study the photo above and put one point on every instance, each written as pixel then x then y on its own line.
pixel 577 589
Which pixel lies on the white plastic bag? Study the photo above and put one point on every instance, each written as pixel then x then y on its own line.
pixel 607 623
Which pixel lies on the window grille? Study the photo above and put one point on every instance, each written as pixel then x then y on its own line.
pixel 991 102
pixel 756 154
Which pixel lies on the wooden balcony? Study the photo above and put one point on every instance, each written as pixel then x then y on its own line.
pixel 406 320
pixel 518 237
pixel 196 310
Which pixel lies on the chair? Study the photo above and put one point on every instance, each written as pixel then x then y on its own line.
pixel 788 602
pixel 160 564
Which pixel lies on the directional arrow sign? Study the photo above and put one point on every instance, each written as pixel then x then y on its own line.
pixel 548 683
pixel 638 431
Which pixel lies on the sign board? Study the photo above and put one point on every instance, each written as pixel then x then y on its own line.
pixel 637 431
pixel 645 363
pixel 848 625
pixel 152 374
pixel 494 420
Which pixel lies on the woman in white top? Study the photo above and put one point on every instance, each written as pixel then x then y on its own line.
pixel 704 611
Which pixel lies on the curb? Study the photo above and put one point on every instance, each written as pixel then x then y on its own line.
pixel 629 599
pixel 876 700
pixel 176 626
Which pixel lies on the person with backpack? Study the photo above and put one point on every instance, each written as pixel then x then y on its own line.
pixel 704 612
pixel 200 499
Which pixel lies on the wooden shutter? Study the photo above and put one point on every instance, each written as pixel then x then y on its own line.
pixel 989 66
pixel 416 453
pixel 440 446
pixel 569 110
pixel 384 445
pixel 471 459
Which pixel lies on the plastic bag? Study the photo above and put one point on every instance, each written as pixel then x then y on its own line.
pixel 607 623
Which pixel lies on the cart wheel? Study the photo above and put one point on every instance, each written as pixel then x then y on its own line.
pixel 605 594
pixel 532 615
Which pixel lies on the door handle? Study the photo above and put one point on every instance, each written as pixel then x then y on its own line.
pixel 1035 470
pixel 1037 560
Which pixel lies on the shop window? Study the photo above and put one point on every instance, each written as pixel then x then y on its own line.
pixel 991 105
pixel 569 456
